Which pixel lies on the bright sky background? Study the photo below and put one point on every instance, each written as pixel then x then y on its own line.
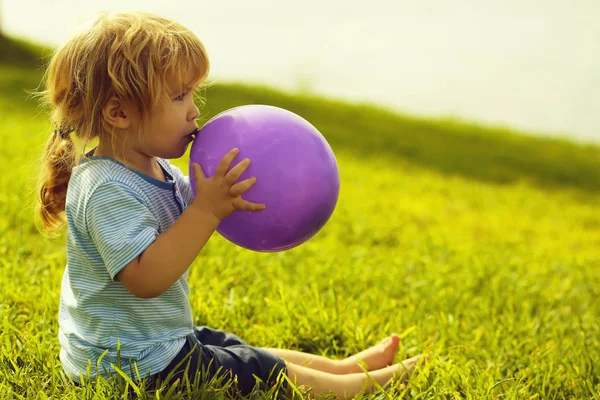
pixel 528 64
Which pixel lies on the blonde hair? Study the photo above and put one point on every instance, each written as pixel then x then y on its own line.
pixel 130 56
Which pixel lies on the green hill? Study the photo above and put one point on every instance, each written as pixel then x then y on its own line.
pixel 447 146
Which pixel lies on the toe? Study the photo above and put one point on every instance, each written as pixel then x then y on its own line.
pixel 417 360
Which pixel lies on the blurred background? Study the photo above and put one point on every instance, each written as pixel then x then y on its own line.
pixel 531 65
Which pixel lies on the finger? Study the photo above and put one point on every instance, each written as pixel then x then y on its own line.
pixel 198 172
pixel 237 171
pixel 239 188
pixel 226 162
pixel 241 204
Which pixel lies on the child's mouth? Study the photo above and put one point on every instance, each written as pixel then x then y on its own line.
pixel 192 136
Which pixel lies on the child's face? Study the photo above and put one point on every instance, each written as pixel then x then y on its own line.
pixel 168 132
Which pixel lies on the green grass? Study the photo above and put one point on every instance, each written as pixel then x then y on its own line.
pixel 481 247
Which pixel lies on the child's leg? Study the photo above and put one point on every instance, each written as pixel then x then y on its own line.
pixel 350 384
pixel 308 360
pixel 374 358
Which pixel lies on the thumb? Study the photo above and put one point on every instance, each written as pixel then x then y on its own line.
pixel 198 172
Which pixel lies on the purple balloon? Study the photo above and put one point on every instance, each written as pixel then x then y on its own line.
pixel 296 171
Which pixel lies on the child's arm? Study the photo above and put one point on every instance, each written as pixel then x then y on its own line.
pixel 171 254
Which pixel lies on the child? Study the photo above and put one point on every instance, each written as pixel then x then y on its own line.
pixel 133 224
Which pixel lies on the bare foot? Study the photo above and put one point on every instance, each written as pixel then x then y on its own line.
pixel 376 357
pixel 407 367
pixel 347 386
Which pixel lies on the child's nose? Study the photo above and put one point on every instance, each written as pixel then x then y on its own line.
pixel 193 113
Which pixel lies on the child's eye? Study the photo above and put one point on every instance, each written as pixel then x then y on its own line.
pixel 181 96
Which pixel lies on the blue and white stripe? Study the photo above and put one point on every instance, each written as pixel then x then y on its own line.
pixel 113 214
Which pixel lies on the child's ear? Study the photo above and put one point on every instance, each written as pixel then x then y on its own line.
pixel 116 113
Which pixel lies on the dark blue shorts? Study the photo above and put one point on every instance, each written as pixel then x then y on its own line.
pixel 215 352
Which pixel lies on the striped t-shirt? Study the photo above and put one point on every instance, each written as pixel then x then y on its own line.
pixel 114 213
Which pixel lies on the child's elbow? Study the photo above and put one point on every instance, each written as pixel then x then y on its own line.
pixel 137 284
pixel 143 293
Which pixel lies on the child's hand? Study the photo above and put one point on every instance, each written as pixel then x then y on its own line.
pixel 220 194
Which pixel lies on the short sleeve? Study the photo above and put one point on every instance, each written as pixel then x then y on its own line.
pixel 120 225
pixel 184 184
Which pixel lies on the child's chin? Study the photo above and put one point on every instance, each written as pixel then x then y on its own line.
pixel 180 151
pixel 176 153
